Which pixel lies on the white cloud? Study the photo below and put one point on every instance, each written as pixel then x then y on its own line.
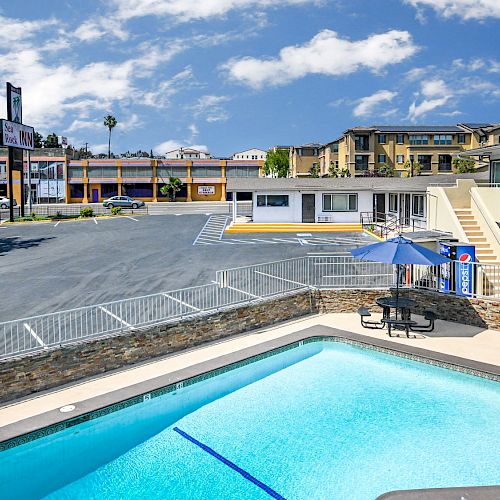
pixel 94 29
pixel 209 107
pixel 81 124
pixel 436 94
pixel 189 10
pixel 367 105
pixel 466 9
pixel 325 54
pixel 52 90
pixel 131 122
pixel 160 97
pixel 16 30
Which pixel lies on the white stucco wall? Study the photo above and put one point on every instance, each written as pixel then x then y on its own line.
pixel 293 213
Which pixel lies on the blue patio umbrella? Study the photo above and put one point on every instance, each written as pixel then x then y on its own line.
pixel 399 251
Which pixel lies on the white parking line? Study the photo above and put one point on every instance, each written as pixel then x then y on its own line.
pixel 115 316
pixel 35 336
pixel 128 217
pixel 181 302
pixel 57 223
pixel 95 220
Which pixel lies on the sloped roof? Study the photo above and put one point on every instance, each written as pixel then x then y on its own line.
pixel 397 184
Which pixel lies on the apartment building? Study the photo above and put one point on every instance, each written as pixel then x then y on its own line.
pixel 302 159
pixel 186 154
pixel 364 149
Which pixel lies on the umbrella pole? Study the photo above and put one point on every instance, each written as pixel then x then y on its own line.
pixel 397 289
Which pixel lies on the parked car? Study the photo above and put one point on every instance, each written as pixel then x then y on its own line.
pixel 5 202
pixel 122 201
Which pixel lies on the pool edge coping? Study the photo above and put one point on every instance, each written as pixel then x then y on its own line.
pixel 53 421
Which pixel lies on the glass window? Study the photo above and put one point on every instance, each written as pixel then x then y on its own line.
pixel 416 140
pixel 381 138
pixel 461 138
pixel 442 139
pixel 334 148
pixel 361 162
pixel 381 158
pixel 425 161
pixel 209 171
pixel 400 139
pixel 272 200
pixel 418 205
pixel 400 158
pixel 393 202
pixel 361 142
pixel 340 202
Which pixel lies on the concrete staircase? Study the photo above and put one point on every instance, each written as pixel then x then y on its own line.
pixel 484 252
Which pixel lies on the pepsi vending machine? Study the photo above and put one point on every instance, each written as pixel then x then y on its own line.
pixel 458 277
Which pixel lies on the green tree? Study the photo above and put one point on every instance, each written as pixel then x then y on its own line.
pixel 334 171
pixel 386 170
pixel 277 164
pixel 110 122
pixel 463 165
pixel 38 140
pixel 314 171
pixel 84 153
pixel 52 141
pixel 172 188
pixel 413 170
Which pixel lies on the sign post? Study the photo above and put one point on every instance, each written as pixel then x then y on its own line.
pixel 16 137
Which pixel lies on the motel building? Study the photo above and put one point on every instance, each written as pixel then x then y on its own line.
pixel 92 181
pixel 341 200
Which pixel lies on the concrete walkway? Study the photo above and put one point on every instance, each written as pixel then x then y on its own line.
pixel 449 338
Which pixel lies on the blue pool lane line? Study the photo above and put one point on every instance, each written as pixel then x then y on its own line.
pixel 233 466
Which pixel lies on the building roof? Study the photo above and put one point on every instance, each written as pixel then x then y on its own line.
pixel 249 149
pixel 476 125
pixel 418 128
pixel 397 184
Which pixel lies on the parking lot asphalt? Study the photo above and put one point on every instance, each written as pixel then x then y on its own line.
pixel 48 267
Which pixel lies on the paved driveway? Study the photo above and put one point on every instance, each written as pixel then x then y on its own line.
pixel 49 267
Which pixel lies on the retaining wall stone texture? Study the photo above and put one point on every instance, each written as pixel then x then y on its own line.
pixel 48 369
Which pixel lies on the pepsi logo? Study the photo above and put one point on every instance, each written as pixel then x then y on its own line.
pixel 465 257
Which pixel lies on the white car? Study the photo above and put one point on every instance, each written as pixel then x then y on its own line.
pixel 5 202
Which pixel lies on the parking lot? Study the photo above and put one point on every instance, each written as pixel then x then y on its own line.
pixel 47 267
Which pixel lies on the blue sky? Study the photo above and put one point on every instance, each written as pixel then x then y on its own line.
pixel 226 75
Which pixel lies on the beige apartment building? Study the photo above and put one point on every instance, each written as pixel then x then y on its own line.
pixel 302 158
pixel 362 149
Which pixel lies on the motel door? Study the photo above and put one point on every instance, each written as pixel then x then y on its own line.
pixel 404 209
pixel 379 207
pixel 95 195
pixel 308 208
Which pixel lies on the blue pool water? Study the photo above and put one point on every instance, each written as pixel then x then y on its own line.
pixel 322 421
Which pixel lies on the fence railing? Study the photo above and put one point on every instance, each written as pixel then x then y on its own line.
pixel 235 287
pixel 66 211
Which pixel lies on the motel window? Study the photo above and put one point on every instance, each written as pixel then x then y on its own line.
pixel 393 202
pixel 461 138
pixel 340 202
pixel 208 171
pixel 76 190
pixel 400 158
pixel 334 148
pixel 381 139
pixel 361 162
pixel 400 139
pixel 272 200
pixel 381 158
pixel 418 205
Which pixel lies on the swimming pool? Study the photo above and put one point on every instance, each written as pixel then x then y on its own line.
pixel 322 420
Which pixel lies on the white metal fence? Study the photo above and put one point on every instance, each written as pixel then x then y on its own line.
pixel 233 287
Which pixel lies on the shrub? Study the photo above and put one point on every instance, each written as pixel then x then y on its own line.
pixel 116 210
pixel 87 212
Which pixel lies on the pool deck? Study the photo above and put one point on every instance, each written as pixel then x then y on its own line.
pixel 459 344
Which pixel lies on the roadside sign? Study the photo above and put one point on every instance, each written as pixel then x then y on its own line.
pixel 17 135
pixel 14 103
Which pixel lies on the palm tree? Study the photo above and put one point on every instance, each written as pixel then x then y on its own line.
pixel 172 188
pixel 110 122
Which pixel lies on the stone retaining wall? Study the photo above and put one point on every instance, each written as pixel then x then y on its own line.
pixel 48 369
pixel 58 366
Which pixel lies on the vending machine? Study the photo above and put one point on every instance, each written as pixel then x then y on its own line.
pixel 458 277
